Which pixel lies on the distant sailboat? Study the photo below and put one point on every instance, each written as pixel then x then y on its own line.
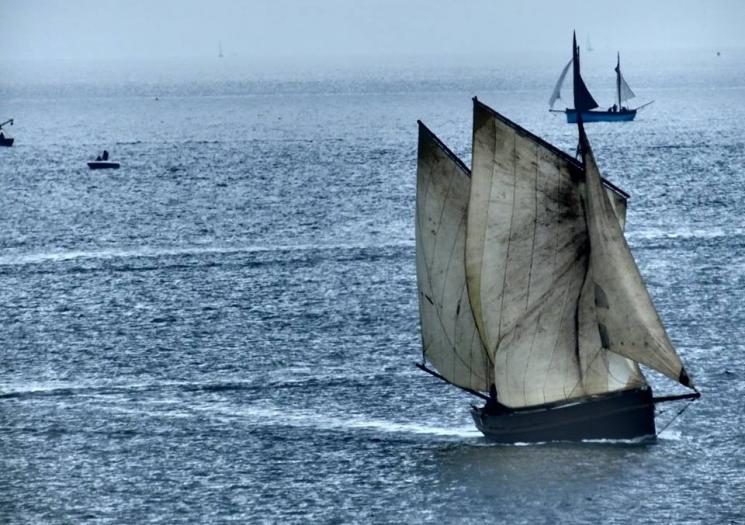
pixel 616 113
pixel 4 139
pixel 529 297
pixel 219 49
pixel 589 45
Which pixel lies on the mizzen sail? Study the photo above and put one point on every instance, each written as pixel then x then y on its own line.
pixel 449 336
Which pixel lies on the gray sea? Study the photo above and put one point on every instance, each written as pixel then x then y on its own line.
pixel 225 329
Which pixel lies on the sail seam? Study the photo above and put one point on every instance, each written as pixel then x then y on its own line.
pixel 507 253
pixel 509 236
pixel 535 229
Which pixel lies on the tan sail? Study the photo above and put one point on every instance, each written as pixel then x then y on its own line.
pixel 526 262
pixel 602 370
pixel 627 321
pixel 449 335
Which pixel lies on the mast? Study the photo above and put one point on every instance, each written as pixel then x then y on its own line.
pixel 583 100
pixel 618 79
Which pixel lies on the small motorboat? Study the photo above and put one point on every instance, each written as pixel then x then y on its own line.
pixel 4 139
pixel 102 162
pixel 103 165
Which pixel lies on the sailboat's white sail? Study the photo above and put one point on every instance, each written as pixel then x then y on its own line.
pixel 556 95
pixel 526 261
pixel 627 321
pixel 449 335
pixel 624 91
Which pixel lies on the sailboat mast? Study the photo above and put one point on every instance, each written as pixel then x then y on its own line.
pixel 618 79
pixel 579 104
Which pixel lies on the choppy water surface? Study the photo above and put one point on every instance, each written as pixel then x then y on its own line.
pixel 225 328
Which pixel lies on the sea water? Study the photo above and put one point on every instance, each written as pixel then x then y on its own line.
pixel 225 328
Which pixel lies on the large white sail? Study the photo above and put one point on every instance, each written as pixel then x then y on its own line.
pixel 556 95
pixel 627 321
pixel 449 336
pixel 526 262
pixel 624 91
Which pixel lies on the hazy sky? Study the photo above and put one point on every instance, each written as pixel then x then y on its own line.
pixel 158 29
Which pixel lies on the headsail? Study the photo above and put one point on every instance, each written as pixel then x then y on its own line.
pixel 627 322
pixel 449 335
pixel 556 95
pixel 624 91
pixel 526 261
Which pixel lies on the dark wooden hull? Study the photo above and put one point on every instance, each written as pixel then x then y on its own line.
pixel 103 165
pixel 625 415
pixel 601 116
pixel 6 141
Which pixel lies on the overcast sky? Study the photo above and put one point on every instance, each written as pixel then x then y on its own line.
pixel 160 29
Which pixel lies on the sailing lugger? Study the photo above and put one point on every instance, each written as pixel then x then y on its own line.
pixel 616 113
pixel 527 288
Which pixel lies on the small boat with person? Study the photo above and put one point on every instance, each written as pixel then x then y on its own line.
pixel 618 112
pixel 102 162
pixel 5 140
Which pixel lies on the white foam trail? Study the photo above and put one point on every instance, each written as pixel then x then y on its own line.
pixel 670 434
pixel 145 251
pixel 308 419
pixel 685 233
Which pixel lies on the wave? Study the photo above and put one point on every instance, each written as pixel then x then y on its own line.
pixel 155 251
pixel 27 391
pixel 685 234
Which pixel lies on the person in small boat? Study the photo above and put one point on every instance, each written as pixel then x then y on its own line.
pixel 492 405
pixel 615 108
pixel 105 155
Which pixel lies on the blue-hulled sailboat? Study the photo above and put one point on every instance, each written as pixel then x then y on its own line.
pixel 616 113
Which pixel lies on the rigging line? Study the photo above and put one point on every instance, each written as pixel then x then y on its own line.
pixel 579 300
pixel 687 405
pixel 422 367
